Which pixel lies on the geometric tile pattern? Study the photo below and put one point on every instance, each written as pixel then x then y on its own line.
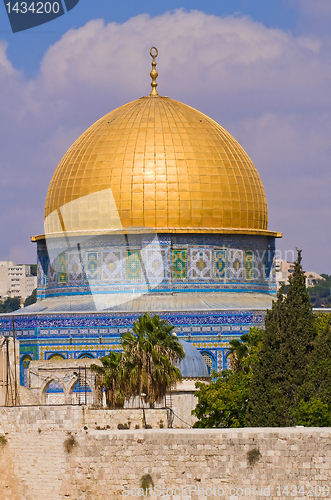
pixel 91 268
pixel 179 261
pixel 75 267
pixel 235 264
pixel 154 259
pixel 112 265
pixel 117 264
pixel 52 275
pixel 249 264
pixel 209 361
pixel 133 265
pixel 62 268
pixel 260 264
pixel 220 263
pixel 200 264
pixel 42 265
pixel 55 399
pixel 219 360
pixel 172 262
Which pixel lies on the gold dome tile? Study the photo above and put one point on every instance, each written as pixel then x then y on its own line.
pixel 161 165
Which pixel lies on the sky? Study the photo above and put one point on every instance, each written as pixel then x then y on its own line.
pixel 260 68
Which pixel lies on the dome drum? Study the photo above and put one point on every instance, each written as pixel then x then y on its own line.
pixel 164 263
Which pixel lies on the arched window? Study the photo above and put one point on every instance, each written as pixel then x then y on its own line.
pixel 56 357
pixel 54 393
pixel 209 361
pixel 85 355
pixel 26 360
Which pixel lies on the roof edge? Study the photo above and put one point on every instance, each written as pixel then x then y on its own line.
pixel 185 230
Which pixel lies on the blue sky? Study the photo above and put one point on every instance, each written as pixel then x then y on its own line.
pixel 261 68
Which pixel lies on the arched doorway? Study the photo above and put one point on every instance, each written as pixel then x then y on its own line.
pixel 54 393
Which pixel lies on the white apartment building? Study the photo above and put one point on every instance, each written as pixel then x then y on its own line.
pixel 16 280
pixel 284 269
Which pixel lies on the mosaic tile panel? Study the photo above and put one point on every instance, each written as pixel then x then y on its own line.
pixel 42 266
pixel 226 359
pixel 249 264
pixel 236 264
pixel 260 264
pixel 62 268
pixel 75 267
pixel 155 262
pixel 179 263
pixel 200 264
pixel 91 267
pixel 40 275
pixel 220 263
pixel 52 274
pixel 219 360
pixel 217 262
pixel 112 265
pixel 133 265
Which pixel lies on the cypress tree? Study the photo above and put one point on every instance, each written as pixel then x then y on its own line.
pixel 282 368
pixel 318 385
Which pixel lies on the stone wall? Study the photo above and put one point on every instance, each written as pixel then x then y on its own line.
pixel 55 453
pixel 78 418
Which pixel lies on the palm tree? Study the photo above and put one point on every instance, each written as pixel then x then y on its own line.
pixel 237 351
pixel 151 354
pixel 247 347
pixel 111 377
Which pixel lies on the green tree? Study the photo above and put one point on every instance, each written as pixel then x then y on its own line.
pixel 112 378
pixel 243 353
pixel 312 413
pixel 151 354
pixel 318 382
pixel 322 321
pixel 283 360
pixel 223 402
pixel 31 299
pixel 314 407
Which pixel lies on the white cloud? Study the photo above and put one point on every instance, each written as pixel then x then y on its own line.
pixel 266 86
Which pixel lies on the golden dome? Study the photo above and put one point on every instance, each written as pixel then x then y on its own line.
pixel 160 164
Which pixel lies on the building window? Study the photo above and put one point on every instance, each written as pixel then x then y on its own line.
pixel 209 361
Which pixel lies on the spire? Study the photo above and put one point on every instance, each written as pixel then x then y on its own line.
pixel 153 74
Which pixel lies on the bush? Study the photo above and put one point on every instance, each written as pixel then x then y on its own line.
pixel 70 443
pixel 3 441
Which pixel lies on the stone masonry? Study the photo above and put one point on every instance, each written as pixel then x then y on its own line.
pixel 67 452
